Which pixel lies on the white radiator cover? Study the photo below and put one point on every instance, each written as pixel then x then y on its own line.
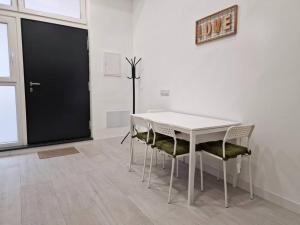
pixel 116 119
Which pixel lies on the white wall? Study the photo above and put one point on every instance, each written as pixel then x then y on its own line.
pixel 251 77
pixel 110 29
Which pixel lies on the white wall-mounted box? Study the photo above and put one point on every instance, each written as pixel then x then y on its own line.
pixel 112 64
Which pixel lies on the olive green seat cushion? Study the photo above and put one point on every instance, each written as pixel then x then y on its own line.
pixel 143 136
pixel 168 146
pixel 216 148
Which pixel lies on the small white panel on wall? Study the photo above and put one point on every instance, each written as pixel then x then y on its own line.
pixel 112 64
pixel 116 119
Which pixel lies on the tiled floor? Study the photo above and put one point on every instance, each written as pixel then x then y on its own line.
pixel 95 187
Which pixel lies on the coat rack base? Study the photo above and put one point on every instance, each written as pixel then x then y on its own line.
pixel 125 138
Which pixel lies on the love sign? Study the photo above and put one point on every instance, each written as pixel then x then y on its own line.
pixel 218 25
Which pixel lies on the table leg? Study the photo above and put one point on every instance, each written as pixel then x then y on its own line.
pixel 191 169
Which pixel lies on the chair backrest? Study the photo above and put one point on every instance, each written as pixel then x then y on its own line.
pixel 136 121
pixel 165 130
pixel 140 124
pixel 236 132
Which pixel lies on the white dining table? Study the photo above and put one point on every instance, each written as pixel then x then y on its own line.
pixel 197 128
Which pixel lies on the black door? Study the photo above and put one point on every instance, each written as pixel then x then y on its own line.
pixel 56 67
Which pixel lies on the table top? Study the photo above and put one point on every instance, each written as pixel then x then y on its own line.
pixel 186 121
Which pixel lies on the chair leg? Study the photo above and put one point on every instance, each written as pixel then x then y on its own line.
pixel 225 184
pixel 171 180
pixel 131 154
pixel 201 172
pixel 237 171
pixel 163 161
pixel 250 177
pixel 145 161
pixel 156 158
pixel 234 179
pixel 177 165
pixel 219 172
pixel 150 170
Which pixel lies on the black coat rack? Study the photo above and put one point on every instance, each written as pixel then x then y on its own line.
pixel 133 63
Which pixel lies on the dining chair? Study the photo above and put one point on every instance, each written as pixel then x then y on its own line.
pixel 178 135
pixel 171 147
pixel 224 151
pixel 156 154
pixel 145 135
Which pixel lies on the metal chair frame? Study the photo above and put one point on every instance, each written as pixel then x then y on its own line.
pixel 233 133
pixel 137 124
pixel 168 131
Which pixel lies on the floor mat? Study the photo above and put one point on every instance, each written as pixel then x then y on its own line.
pixel 57 153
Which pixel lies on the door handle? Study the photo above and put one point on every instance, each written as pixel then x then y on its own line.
pixel 31 84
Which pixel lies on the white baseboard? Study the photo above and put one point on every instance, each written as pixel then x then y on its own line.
pixel 269 196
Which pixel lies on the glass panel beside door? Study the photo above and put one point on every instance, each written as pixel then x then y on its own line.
pixel 5 2
pixel 8 116
pixel 4 51
pixel 68 8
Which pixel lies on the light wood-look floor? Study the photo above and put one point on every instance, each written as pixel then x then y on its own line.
pixel 95 187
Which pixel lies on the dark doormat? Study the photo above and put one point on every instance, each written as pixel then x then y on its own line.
pixel 57 153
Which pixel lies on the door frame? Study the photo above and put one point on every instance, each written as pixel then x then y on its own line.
pixel 16 17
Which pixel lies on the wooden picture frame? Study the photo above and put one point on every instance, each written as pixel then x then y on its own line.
pixel 218 25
